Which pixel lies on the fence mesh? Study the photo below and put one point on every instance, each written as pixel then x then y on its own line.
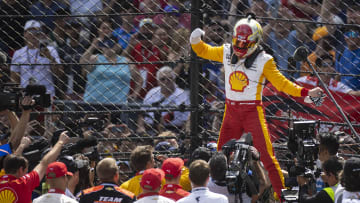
pixel 121 69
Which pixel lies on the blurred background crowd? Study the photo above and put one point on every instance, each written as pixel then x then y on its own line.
pixel 123 58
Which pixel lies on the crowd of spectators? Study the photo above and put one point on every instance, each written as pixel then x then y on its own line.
pixel 115 60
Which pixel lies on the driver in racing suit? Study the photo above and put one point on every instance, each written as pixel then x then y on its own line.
pixel 247 67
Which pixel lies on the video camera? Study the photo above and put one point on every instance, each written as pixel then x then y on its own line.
pixel 11 93
pixel 75 126
pixel 303 145
pixel 237 176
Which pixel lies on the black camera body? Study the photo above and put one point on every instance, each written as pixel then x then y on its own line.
pixel 11 94
pixel 304 146
pixel 238 169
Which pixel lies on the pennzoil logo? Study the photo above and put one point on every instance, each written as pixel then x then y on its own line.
pixel 8 195
pixel 238 81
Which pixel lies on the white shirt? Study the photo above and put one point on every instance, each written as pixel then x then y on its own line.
pixel 351 197
pixel 54 198
pixel 69 194
pixel 203 195
pixel 178 97
pixel 333 85
pixel 35 74
pixel 155 199
pixel 223 190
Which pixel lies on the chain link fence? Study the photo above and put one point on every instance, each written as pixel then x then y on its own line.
pixel 122 70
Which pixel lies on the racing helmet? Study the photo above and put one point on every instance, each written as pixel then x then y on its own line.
pixel 246 37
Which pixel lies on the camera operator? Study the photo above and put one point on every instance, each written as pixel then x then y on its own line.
pixel 217 183
pixel 17 182
pixel 331 168
pixel 350 181
pixel 328 147
pixel 18 127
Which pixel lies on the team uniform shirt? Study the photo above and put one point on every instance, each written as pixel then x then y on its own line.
pixel 244 111
pixel 222 189
pixel 203 195
pixel 173 191
pixel 18 190
pixel 349 63
pixel 333 85
pixel 105 192
pixel 178 97
pixel 153 197
pixel 184 179
pixel 34 74
pixel 54 196
pixel 133 184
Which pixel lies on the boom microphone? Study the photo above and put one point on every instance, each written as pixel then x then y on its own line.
pixel 35 90
pixel 301 54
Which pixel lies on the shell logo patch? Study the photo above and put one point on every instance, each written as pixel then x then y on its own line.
pixel 8 195
pixel 238 81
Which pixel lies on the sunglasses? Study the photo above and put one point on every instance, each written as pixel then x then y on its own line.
pixel 351 34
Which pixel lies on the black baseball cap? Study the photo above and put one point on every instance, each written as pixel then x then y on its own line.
pixel 352 166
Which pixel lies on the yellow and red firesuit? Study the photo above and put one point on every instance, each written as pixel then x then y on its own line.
pixel 243 109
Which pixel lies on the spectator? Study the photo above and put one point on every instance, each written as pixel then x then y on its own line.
pixel 303 8
pixel 161 41
pixel 33 54
pixel 172 168
pixel 332 168
pixel 71 52
pixel 58 35
pixel 17 182
pixel 171 21
pixel 109 84
pixel 167 93
pixel 12 28
pixel 141 158
pixel 324 45
pixel 46 8
pixel 124 32
pixel 57 177
pixel 199 177
pixel 147 6
pixel 326 64
pixel 350 177
pixel 349 62
pixel 179 50
pixel 151 184
pixel 283 41
pixel 4 69
pixel 141 49
pixel 107 191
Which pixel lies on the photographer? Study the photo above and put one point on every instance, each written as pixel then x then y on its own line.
pixel 350 180
pixel 331 168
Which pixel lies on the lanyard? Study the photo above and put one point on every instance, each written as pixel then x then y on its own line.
pixel 32 66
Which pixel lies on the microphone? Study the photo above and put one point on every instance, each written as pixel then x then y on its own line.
pixel 300 54
pixel 35 90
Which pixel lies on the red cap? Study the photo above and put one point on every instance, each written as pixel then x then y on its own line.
pixel 172 167
pixel 151 179
pixel 56 170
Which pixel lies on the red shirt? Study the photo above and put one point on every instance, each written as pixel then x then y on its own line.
pixel 174 192
pixel 147 71
pixel 18 190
